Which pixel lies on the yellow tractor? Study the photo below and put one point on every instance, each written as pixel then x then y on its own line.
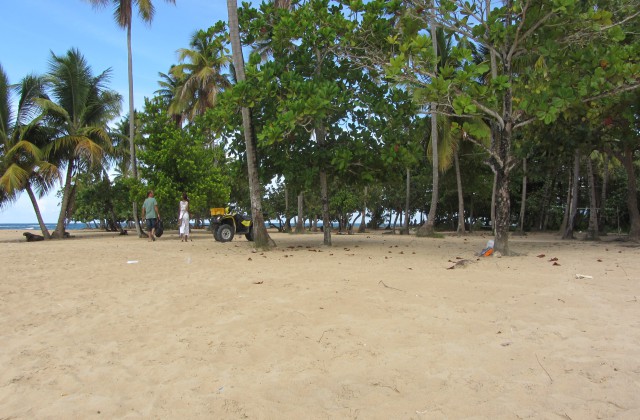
pixel 226 224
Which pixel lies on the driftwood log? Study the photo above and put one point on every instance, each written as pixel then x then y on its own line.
pixel 33 238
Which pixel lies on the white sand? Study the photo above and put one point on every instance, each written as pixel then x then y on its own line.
pixel 376 327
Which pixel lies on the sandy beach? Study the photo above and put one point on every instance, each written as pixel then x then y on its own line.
pixel 376 327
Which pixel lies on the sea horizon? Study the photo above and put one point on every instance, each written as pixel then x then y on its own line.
pixel 36 226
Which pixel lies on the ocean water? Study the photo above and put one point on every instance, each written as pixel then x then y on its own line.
pixel 36 226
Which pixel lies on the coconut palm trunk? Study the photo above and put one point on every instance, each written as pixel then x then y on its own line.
pixel 36 208
pixel 260 234
pixel 132 145
pixel 66 197
pixel 124 17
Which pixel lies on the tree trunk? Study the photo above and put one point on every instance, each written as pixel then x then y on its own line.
pixel 352 223
pixel 407 202
pixel 546 197
pixel 66 195
pixel 300 224
pixel 428 228
pixel 567 206
pixel 324 188
pixel 523 201
pixel 461 228
pixel 132 145
pixel 395 221
pixel 502 163
pixel 363 226
pixel 471 217
pixel 573 204
pixel 36 208
pixel 592 231
pixel 260 235
pixel 603 196
pixel 494 190
pixel 287 216
pixel 632 194
pixel 503 209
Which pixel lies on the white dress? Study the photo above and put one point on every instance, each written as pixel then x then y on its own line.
pixel 184 218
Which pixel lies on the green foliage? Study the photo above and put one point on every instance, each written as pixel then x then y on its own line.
pixel 175 160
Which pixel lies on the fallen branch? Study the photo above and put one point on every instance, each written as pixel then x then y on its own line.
pixel 389 287
pixel 545 370
pixel 320 339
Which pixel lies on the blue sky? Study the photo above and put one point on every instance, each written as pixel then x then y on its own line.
pixel 32 29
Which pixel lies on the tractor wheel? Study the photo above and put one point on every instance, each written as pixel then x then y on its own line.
pixel 225 233
pixel 249 235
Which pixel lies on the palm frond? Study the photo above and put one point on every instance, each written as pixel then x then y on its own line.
pixel 13 179
pixel 6 114
pixel 24 148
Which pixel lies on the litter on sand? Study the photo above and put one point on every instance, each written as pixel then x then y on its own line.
pixel 488 250
pixel 132 262
pixel 583 276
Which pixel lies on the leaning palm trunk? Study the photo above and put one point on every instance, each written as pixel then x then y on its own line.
pixel 36 208
pixel 66 197
pixel 260 234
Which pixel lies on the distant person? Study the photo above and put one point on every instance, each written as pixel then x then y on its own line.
pixel 151 214
pixel 183 218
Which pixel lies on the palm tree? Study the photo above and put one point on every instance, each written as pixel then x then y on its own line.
pixel 80 108
pixel 169 86
pixel 123 14
pixel 200 74
pixel 22 162
pixel 261 236
pixel 119 159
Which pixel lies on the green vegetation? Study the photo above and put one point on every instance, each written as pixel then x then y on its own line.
pixel 484 116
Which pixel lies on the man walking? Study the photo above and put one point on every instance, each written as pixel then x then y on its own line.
pixel 151 213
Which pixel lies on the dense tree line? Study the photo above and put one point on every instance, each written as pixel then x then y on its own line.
pixel 451 115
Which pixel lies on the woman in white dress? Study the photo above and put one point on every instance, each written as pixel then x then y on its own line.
pixel 183 218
